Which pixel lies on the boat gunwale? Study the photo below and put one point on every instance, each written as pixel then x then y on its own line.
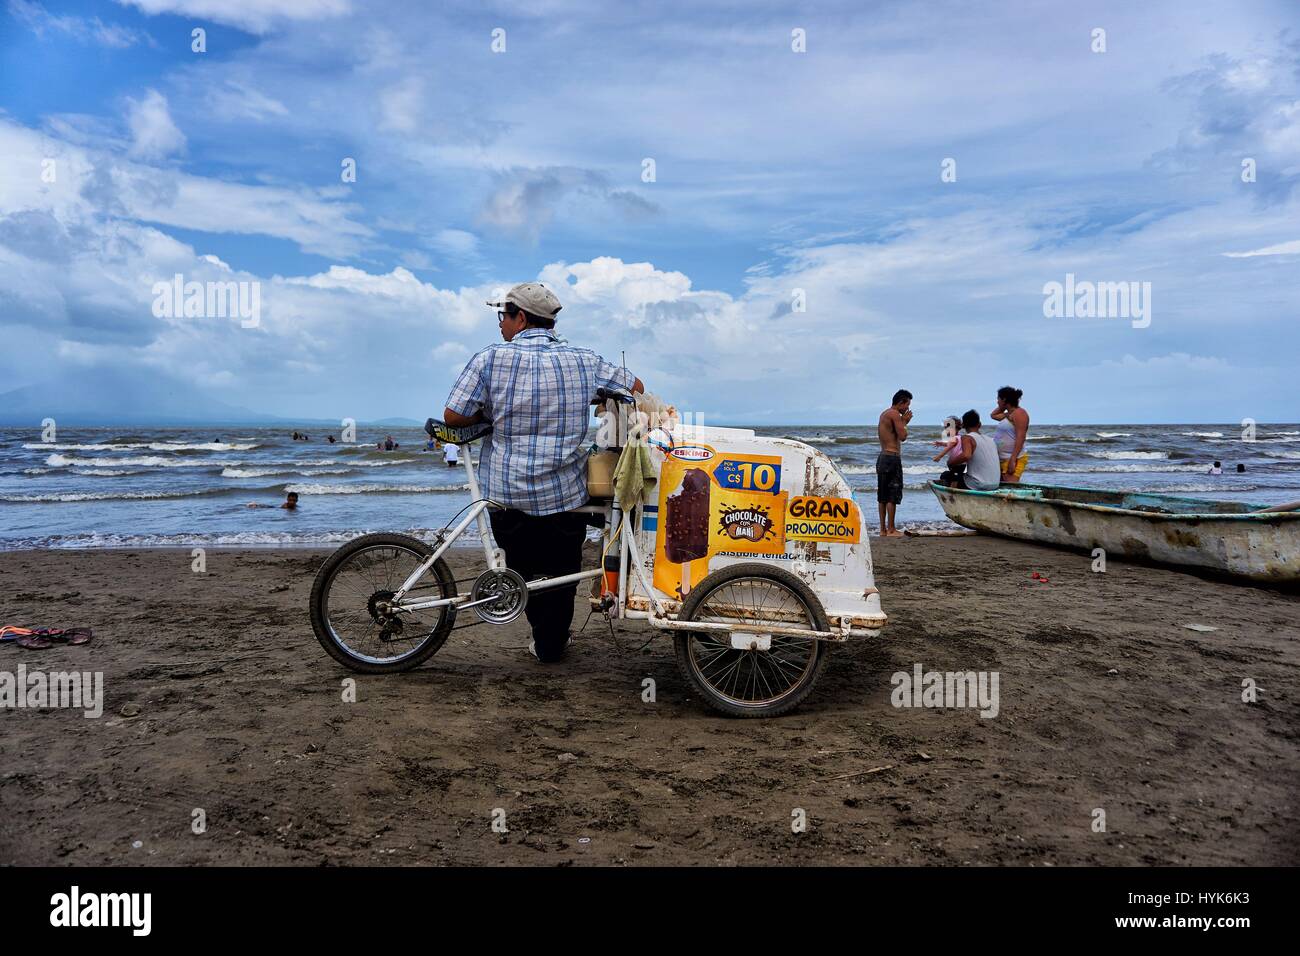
pixel 1009 495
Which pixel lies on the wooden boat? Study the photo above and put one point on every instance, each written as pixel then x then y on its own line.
pixel 1226 537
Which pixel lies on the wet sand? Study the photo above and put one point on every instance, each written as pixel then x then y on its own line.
pixel 1106 702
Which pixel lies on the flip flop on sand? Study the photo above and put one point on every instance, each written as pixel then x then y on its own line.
pixel 37 639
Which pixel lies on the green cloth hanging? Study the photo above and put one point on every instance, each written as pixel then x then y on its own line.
pixel 631 475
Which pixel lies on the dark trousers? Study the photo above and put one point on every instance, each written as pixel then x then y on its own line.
pixel 544 546
pixel 955 476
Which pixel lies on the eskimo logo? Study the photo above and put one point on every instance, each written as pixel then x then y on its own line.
pixel 692 453
pixel 103 909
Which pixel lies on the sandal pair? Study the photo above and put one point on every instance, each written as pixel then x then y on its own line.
pixel 39 638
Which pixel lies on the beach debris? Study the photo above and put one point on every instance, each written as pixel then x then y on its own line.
pixel 923 755
pixel 137 844
pixel 1200 627
pixel 584 840
pixel 1112 671
pixel 1040 578
pixel 567 757
pixel 861 773
pixel 130 709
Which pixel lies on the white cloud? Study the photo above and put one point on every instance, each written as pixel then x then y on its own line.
pixel 254 16
pixel 1281 249
pixel 153 134
pixel 908 282
pixel 1174 361
pixel 400 106
pixel 234 100
pixel 450 350
pixel 415 259
pixel 92 184
pixel 456 243
pixel 525 200
pixel 92 30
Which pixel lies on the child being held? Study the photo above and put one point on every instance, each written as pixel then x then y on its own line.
pixel 951 444
pixel 951 441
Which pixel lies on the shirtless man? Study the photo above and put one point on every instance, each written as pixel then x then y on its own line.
pixel 889 463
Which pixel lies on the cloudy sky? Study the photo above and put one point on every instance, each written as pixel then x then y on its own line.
pixel 778 176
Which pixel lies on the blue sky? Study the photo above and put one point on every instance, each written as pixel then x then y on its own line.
pixel 776 171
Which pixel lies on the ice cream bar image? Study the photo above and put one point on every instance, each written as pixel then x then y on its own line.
pixel 686 523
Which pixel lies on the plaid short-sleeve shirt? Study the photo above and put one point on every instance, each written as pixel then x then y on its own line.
pixel 537 392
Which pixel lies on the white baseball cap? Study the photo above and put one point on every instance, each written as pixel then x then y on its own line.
pixel 534 298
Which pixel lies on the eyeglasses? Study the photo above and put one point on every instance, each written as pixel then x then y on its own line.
pixel 511 310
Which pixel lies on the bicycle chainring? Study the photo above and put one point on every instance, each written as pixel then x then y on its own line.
pixel 511 595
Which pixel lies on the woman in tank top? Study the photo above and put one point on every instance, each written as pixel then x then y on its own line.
pixel 1012 433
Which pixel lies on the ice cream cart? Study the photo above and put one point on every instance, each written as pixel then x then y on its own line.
pixel 748 550
pixel 752 554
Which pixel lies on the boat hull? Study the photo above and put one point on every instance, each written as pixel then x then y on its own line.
pixel 1220 537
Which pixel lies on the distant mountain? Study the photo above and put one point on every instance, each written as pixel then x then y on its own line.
pixel 107 397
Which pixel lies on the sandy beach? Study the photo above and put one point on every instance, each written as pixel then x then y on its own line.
pixel 219 699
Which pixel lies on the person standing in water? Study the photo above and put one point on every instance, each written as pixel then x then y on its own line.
pixel 889 463
pixel 1011 433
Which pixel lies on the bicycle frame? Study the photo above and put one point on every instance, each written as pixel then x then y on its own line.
pixel 495 557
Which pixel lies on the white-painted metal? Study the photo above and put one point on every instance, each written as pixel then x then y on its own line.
pixel 840 575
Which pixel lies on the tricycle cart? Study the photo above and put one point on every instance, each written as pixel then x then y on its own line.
pixel 748 551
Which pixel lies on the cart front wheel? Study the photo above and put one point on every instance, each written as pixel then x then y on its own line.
pixel 757 682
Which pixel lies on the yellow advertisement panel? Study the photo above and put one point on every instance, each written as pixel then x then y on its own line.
pixel 808 518
pixel 711 502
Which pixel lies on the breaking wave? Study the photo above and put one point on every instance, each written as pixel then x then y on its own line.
pixel 1133 455
pixel 307 489
pixel 151 446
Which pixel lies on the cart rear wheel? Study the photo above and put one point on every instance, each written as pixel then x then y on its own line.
pixel 752 683
pixel 349 610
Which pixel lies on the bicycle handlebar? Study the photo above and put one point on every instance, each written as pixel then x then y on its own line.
pixel 436 428
pixel 455 436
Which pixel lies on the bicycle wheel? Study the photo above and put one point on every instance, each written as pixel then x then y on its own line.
pixel 752 683
pixel 348 604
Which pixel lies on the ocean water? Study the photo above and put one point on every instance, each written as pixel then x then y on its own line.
pixel 134 487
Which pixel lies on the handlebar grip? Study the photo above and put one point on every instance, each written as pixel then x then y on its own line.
pixel 456 436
